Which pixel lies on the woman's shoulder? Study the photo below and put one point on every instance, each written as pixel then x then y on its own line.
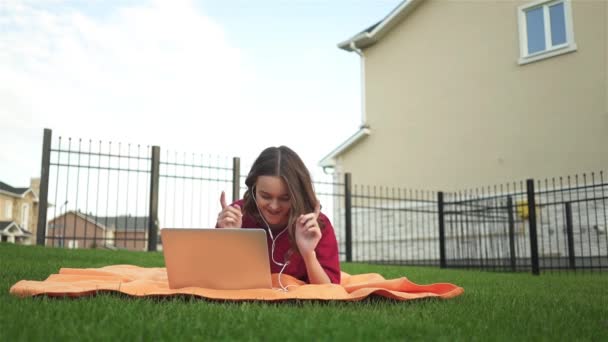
pixel 325 220
pixel 238 202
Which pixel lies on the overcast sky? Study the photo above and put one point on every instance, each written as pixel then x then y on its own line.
pixel 220 77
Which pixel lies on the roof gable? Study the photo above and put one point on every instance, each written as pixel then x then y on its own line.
pixel 58 219
pixel 12 228
pixel 117 223
pixel 6 225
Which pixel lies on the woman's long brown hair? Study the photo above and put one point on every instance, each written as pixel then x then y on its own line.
pixel 285 163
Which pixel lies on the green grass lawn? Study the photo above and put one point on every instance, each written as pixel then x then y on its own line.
pixel 495 306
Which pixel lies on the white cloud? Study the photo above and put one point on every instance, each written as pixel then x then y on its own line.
pixel 159 73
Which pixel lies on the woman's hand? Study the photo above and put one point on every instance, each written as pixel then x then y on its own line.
pixel 308 232
pixel 229 217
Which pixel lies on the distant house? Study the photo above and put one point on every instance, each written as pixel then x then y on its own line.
pixel 79 230
pixel 130 232
pixel 19 213
pixel 461 94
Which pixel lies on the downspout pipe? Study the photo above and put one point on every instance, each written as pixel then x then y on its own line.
pixel 354 47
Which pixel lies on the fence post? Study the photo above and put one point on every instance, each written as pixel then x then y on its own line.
pixel 153 218
pixel 440 208
pixel 348 216
pixel 44 187
pixel 511 232
pixel 532 221
pixel 236 179
pixel 570 234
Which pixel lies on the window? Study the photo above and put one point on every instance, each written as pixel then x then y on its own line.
pixel 8 210
pixel 25 215
pixel 545 30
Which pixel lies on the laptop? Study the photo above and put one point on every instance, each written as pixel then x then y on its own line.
pixel 223 258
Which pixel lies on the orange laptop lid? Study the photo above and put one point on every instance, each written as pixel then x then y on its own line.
pixel 223 258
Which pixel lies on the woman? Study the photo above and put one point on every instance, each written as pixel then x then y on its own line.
pixel 280 199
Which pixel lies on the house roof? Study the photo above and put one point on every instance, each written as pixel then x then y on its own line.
pixel 330 159
pixel 88 218
pixel 16 192
pixel 372 34
pixel 123 222
pixel 118 223
pixel 5 225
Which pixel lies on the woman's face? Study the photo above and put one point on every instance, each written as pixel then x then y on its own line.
pixel 272 197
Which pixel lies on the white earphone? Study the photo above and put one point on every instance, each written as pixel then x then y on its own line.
pixel 273 239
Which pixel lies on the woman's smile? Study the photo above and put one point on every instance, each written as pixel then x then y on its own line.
pixel 272 197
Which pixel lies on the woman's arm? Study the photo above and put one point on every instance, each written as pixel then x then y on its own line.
pixel 316 273
pixel 319 250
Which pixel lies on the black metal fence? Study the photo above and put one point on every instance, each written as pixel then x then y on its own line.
pixel 118 196
pixel 487 228
pixel 394 226
pixel 554 224
pixel 94 193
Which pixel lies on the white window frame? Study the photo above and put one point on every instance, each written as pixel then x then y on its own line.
pixel 550 50
pixel 25 215
pixel 8 210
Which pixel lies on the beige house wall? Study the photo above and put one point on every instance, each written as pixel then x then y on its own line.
pixel 3 200
pixel 17 210
pixel 450 108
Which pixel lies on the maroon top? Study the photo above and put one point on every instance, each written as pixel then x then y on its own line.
pixel 326 250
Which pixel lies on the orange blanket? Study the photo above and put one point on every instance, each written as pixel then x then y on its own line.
pixel 141 282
